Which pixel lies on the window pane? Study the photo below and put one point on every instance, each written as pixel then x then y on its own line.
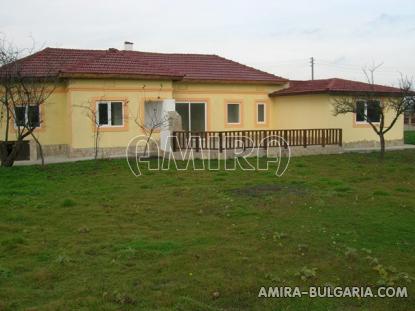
pixel 360 111
pixel 183 110
pixel 373 111
pixel 33 116
pixel 153 117
pixel 103 114
pixel 233 113
pixel 20 113
pixel 261 113
pixel 116 113
pixel 197 117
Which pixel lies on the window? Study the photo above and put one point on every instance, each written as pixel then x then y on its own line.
pixel 110 114
pixel 20 113
pixel 360 111
pixel 233 113
pixel 27 116
pixel 367 111
pixel 193 116
pixel 33 116
pixel 373 111
pixel 260 115
pixel 153 116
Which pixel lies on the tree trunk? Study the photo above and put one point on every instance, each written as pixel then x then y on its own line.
pixel 382 146
pixel 6 134
pixel 147 147
pixel 40 149
pixel 9 155
pixel 96 144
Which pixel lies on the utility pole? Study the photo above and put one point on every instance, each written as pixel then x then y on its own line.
pixel 312 67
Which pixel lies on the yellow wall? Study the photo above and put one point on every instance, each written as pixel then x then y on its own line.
pixel 85 93
pixel 316 111
pixel 65 121
pixel 54 116
pixel 217 95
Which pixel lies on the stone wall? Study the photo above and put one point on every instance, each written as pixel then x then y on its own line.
pixel 61 150
pixel 116 152
pixel 294 151
pixel 373 144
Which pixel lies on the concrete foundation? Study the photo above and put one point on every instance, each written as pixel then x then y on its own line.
pixel 271 152
pixel 63 150
pixel 373 144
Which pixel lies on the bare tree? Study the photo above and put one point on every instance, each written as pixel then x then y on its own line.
pixel 373 107
pixel 8 55
pixel 153 120
pixel 91 114
pixel 21 97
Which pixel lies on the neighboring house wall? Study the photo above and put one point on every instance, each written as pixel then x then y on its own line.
pixel 316 111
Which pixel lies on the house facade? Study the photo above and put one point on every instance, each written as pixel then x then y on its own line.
pixel 210 93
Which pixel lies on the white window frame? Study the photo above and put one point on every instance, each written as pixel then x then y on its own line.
pixel 26 115
pixel 257 112
pixel 239 113
pixel 108 103
pixel 190 114
pixel 365 112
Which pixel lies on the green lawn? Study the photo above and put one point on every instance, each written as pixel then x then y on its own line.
pixel 87 236
pixel 409 137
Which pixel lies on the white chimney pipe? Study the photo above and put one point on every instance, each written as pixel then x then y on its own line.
pixel 128 46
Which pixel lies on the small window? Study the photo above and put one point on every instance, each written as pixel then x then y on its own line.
pixel 233 113
pixel 261 113
pixel 33 116
pixel 360 111
pixel 27 116
pixel 110 114
pixel 20 115
pixel 368 111
pixel 116 114
pixel 373 111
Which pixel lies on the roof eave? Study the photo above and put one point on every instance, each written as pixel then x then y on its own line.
pixel 119 76
pixel 282 93
pixel 334 93
pixel 230 81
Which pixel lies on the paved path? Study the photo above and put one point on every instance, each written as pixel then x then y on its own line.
pixel 62 159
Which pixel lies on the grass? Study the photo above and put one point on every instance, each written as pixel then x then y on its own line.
pixel 90 236
pixel 409 137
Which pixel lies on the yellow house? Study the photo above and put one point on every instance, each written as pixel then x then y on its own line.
pixel 109 90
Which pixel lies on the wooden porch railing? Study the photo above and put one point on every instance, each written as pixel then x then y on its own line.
pixel 209 140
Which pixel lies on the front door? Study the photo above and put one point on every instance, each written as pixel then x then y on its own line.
pixel 193 116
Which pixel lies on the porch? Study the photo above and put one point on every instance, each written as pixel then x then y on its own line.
pixel 252 139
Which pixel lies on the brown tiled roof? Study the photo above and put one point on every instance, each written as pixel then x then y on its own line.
pixel 334 85
pixel 112 62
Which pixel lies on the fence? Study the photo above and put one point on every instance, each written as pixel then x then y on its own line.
pixel 220 140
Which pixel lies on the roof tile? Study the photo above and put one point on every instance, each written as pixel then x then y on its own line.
pixel 187 67
pixel 334 85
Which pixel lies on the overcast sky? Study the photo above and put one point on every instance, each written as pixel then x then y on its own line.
pixel 276 36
